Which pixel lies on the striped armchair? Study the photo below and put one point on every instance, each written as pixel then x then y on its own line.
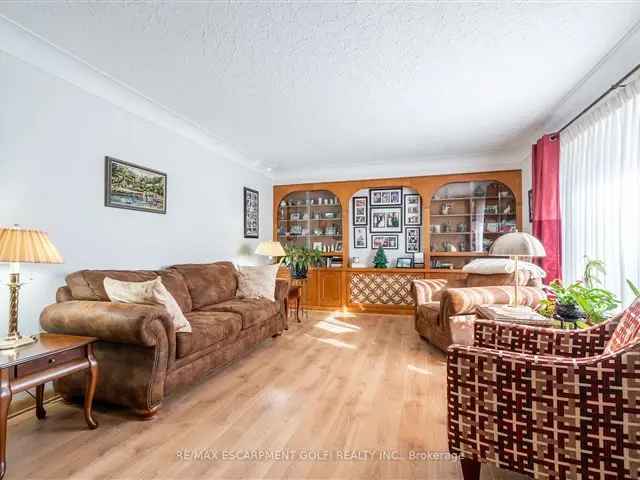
pixel 551 404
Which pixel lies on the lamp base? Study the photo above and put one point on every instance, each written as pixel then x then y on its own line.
pixel 16 341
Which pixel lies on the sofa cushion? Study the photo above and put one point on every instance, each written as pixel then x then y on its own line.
pixel 253 311
pixel 89 284
pixel 628 330
pixel 209 283
pixel 207 328
pixel 429 307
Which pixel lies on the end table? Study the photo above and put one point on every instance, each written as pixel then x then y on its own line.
pixel 50 358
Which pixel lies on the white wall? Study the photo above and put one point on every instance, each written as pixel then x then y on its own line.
pixel 53 139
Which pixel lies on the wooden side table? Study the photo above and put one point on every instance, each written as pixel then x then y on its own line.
pixel 296 293
pixel 50 358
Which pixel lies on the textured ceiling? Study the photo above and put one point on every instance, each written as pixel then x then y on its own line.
pixel 305 85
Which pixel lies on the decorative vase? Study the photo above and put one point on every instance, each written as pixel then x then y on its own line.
pixel 569 312
pixel 299 272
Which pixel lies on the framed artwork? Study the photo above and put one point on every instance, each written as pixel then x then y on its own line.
pixel 412 239
pixel 360 210
pixel 531 205
pixel 385 196
pixel 359 237
pixel 134 187
pixel 404 262
pixel 387 242
pixel 251 213
pixel 412 209
pixel 386 219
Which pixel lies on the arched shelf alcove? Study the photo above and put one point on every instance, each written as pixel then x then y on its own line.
pixel 311 219
pixel 465 218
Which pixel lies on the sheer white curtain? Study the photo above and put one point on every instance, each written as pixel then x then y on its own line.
pixel 600 191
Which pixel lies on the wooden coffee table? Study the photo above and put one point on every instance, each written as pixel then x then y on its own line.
pixel 50 358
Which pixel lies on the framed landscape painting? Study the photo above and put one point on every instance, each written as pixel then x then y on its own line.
pixel 251 213
pixel 134 187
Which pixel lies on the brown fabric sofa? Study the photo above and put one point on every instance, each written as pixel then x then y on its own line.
pixel 141 357
pixel 436 301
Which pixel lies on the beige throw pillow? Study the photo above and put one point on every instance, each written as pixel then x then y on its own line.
pixel 258 282
pixel 152 292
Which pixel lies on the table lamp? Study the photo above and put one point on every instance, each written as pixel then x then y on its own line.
pixel 270 249
pixel 28 246
pixel 516 245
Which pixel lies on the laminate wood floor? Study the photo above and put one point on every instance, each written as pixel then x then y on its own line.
pixel 326 400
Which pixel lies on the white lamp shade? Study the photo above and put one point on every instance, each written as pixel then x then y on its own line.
pixel 517 244
pixel 270 249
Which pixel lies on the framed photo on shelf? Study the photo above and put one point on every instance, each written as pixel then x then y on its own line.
pixel 387 242
pixel 134 187
pixel 360 211
pixel 359 237
pixel 412 239
pixel 412 209
pixel 404 262
pixel 386 220
pixel 379 197
pixel 251 213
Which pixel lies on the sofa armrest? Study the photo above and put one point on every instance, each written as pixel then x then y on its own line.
pixel 424 291
pixel 543 341
pixel 462 301
pixel 112 322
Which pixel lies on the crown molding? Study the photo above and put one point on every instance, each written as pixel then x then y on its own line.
pixel 29 47
pixel 494 161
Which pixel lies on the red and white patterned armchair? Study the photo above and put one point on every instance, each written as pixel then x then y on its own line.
pixel 552 404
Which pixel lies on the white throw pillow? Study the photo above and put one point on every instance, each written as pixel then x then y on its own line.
pixel 491 266
pixel 258 282
pixel 152 292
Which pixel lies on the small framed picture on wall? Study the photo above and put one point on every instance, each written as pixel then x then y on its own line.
pixel 387 242
pixel 412 209
pixel 251 213
pixel 385 196
pixel 386 220
pixel 412 239
pixel 359 237
pixel 360 213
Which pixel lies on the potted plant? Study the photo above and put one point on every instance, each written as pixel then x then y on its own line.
pixel 299 259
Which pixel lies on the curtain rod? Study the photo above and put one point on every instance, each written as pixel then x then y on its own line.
pixel 613 87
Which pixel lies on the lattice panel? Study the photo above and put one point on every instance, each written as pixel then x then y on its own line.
pixel 382 288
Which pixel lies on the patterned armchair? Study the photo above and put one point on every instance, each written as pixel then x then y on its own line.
pixel 552 404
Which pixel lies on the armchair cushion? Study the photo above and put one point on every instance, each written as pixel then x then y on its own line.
pixel 628 329
pixel 459 301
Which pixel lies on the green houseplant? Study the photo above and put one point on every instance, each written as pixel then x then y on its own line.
pixel 299 259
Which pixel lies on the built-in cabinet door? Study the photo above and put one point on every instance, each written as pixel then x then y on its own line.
pixel 310 290
pixel 329 288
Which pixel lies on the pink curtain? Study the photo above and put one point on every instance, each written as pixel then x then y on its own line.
pixel 546 203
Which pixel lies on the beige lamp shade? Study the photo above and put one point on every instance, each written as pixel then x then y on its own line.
pixel 19 245
pixel 270 249
pixel 518 244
